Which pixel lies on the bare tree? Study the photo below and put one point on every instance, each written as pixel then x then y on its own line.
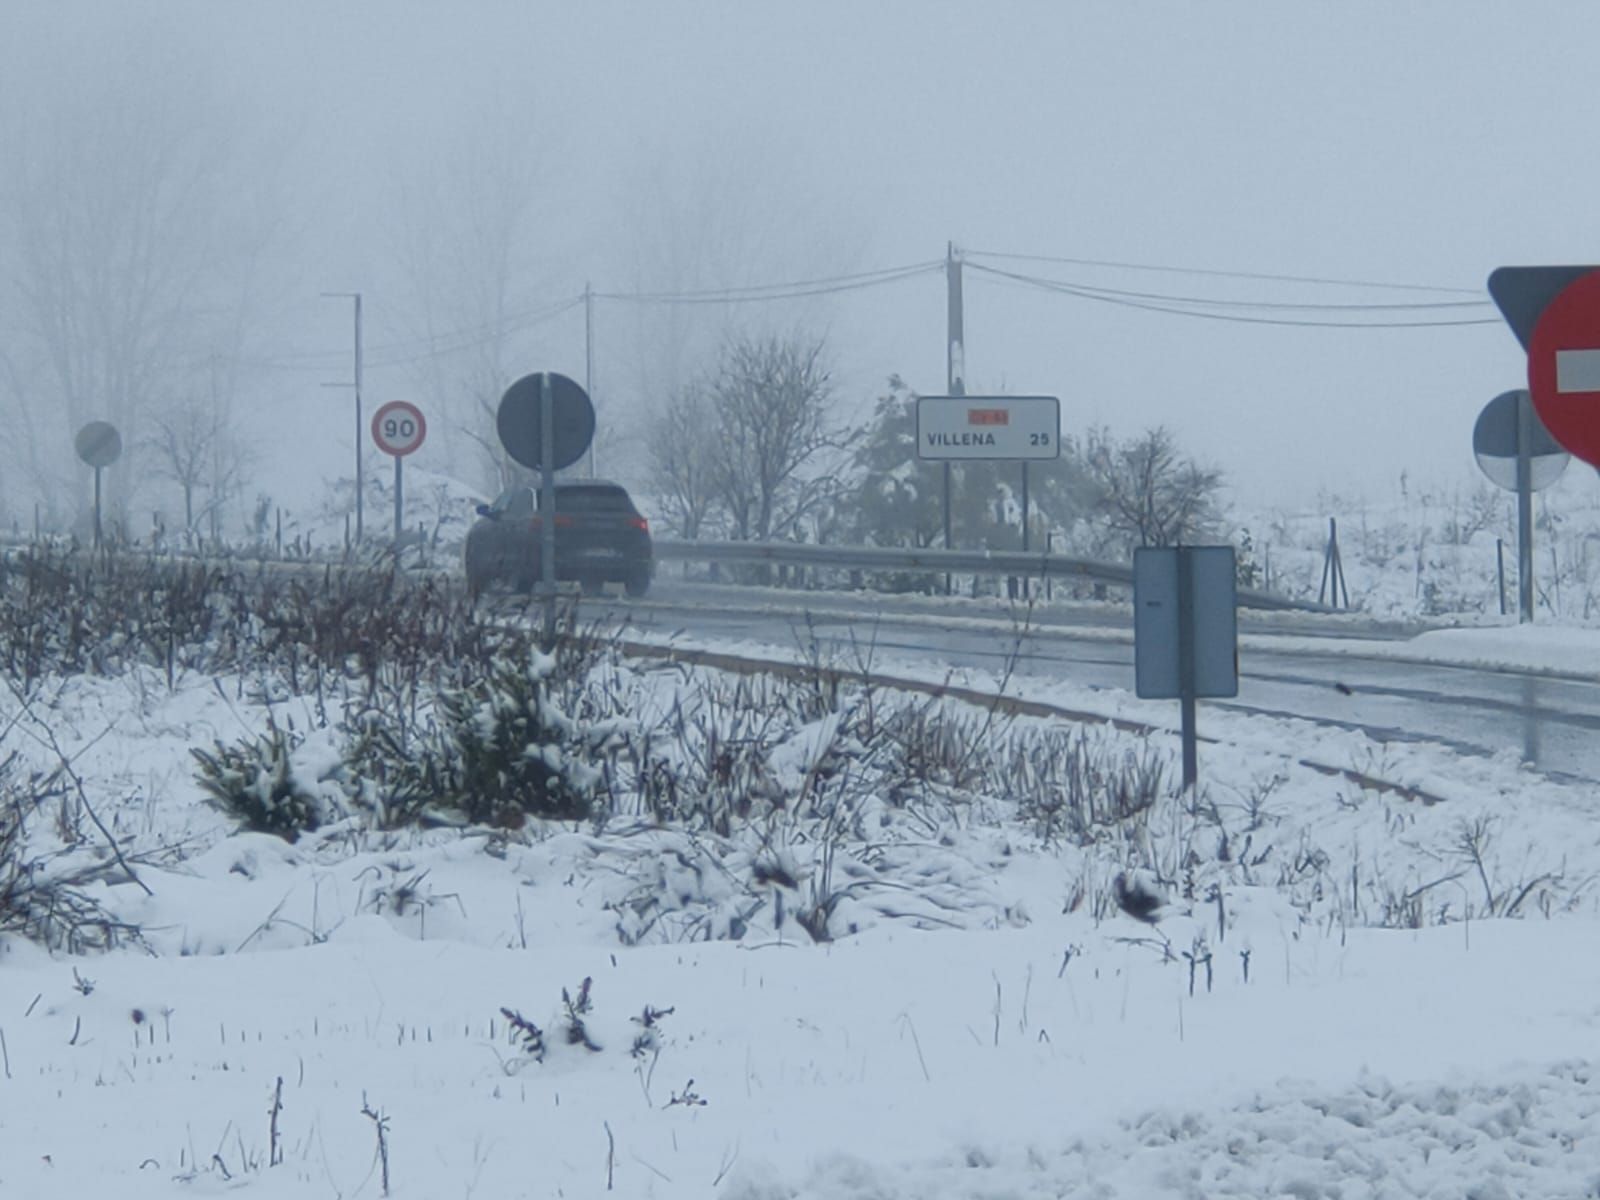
pixel 194 444
pixel 1148 493
pixel 462 230
pixel 682 461
pixel 737 210
pixel 126 248
pixel 769 399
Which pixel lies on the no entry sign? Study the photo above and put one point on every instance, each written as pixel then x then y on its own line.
pixel 1564 367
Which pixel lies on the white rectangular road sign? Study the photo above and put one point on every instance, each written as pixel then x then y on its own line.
pixel 988 427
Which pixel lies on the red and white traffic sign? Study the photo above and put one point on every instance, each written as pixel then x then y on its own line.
pixel 398 428
pixel 1564 367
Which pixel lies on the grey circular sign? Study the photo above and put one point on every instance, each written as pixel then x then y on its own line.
pixel 572 420
pixel 1494 442
pixel 98 443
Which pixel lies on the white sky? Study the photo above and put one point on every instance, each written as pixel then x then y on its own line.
pixel 1422 144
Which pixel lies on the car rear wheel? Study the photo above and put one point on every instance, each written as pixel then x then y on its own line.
pixel 637 584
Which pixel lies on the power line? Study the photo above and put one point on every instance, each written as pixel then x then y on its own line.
pixel 796 289
pixel 403 352
pixel 1258 275
pixel 1215 302
pixel 450 342
pixel 399 353
pixel 1173 306
pixel 484 333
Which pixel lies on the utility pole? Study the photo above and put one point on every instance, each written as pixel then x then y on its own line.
pixel 588 357
pixel 360 432
pixel 955 362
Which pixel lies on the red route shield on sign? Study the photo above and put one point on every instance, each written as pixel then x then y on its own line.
pixel 1564 367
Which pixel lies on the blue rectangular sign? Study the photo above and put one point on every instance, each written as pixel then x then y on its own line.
pixel 1158 671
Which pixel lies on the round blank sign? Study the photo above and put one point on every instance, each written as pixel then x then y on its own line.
pixel 1494 442
pixel 572 420
pixel 98 443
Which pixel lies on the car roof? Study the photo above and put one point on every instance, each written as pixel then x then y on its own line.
pixel 565 484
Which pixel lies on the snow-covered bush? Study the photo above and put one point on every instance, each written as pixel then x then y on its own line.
pixel 506 748
pixel 1080 783
pixel 517 753
pixel 48 897
pixel 276 782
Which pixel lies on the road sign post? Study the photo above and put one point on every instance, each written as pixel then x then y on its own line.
pixel 1516 452
pixel 963 428
pixel 398 428
pixel 1555 314
pixel 99 445
pixel 546 422
pixel 988 428
pixel 1185 632
pixel 547 505
pixel 1524 511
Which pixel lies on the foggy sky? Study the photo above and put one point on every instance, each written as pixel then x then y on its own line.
pixel 692 145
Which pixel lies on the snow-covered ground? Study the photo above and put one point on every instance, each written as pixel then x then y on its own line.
pixel 979 1026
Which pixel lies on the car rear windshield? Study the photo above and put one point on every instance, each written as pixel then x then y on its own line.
pixel 593 499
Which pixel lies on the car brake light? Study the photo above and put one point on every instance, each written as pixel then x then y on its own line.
pixel 639 523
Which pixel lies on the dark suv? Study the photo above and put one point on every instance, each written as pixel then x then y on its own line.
pixel 600 538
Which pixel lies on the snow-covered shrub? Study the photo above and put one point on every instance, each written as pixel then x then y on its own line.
pixel 506 748
pixel 933 744
pixel 705 765
pixel 273 783
pixel 516 751
pixel 43 897
pixel 1078 783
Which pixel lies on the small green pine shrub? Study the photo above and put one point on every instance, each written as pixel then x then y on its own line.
pixel 515 753
pixel 497 750
pixel 259 781
pixel 401 774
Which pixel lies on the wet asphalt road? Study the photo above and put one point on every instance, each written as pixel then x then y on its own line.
pixel 1550 723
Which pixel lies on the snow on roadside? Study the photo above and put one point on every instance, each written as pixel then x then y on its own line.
pixel 1021 1050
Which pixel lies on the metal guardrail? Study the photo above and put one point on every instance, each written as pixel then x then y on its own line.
pixel 937 561
pixel 797 554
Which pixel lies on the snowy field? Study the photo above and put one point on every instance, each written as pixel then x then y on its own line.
pixel 901 976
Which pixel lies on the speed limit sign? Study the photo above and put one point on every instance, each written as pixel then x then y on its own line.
pixel 398 428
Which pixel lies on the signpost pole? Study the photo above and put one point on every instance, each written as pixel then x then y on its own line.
pixel 1024 506
pixel 955 363
pixel 398 428
pixel 947 544
pixel 1524 509
pixel 1186 681
pixel 97 508
pixel 1500 570
pixel 547 507
pixel 1027 581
